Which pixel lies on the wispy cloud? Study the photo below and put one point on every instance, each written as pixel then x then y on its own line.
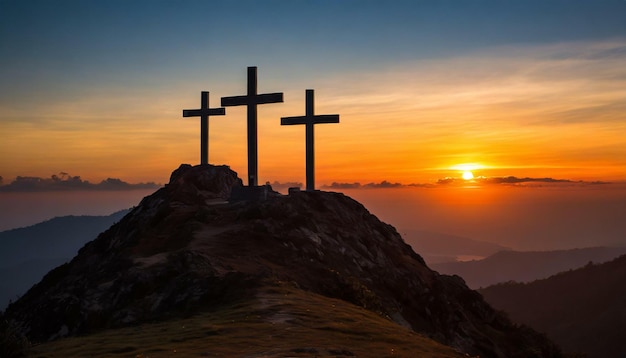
pixel 575 75
pixel 66 182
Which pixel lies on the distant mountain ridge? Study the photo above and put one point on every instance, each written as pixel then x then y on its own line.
pixel 28 253
pixel 437 247
pixel 525 266
pixel 187 249
pixel 41 238
pixel 583 310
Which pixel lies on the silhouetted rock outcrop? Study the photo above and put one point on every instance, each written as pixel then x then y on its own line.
pixel 185 248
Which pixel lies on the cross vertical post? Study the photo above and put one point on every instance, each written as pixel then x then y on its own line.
pixel 204 130
pixel 310 137
pixel 251 100
pixel 204 112
pixel 309 120
pixel 253 154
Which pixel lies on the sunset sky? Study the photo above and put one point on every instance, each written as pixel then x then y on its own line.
pixel 520 88
pixel 520 93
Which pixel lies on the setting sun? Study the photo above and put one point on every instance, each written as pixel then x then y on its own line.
pixel 468 175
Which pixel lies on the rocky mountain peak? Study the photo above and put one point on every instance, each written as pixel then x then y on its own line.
pixel 187 247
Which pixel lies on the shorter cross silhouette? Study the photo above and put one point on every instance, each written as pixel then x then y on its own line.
pixel 204 112
pixel 310 119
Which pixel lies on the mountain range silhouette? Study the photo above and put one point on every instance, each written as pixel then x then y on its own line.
pixel 583 310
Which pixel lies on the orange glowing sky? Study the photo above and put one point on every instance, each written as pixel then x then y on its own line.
pixel 527 108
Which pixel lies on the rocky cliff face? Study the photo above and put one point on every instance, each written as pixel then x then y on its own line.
pixel 187 248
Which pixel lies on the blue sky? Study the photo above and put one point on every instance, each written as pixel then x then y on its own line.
pixel 71 45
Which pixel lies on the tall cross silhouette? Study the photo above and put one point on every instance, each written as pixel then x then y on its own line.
pixel 204 112
pixel 251 100
pixel 310 119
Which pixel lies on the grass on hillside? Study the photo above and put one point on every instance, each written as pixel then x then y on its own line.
pixel 280 322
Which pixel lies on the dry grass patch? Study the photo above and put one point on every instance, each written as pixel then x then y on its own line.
pixel 280 322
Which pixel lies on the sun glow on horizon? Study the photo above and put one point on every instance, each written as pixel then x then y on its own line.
pixel 468 175
pixel 467 167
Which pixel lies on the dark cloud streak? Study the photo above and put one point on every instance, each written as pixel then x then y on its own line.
pixel 65 182
pixel 510 180
pixel 356 185
pixel 335 185
pixel 383 184
pixel 285 186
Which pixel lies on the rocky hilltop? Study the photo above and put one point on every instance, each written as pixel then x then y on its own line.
pixel 188 248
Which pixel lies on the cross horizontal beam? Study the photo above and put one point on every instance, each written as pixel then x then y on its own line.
pixel 202 112
pixel 317 119
pixel 254 99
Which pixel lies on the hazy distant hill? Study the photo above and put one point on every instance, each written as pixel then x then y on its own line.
pixel 525 266
pixel 437 247
pixel 582 310
pixel 26 254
